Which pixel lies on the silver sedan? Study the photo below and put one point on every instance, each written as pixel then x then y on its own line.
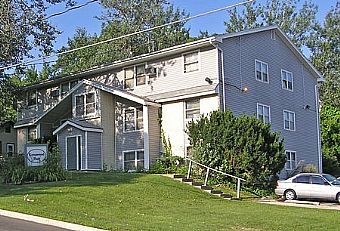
pixel 309 186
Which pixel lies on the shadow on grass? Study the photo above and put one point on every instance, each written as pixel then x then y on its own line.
pixel 75 179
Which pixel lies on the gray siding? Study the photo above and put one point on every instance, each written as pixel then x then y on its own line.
pixel 94 151
pixel 239 67
pixel 154 135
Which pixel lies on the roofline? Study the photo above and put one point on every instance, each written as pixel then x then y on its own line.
pixel 129 61
pixel 68 122
pixel 287 40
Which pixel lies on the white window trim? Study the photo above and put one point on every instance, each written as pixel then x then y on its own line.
pixel 198 61
pixel 33 106
pixel 261 80
pixel 185 109
pixel 290 161
pixel 283 114
pixel 257 110
pixel 95 104
pixel 147 75
pixel 135 120
pixel 282 71
pixel 136 160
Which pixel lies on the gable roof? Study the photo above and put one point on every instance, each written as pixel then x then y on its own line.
pixel 123 94
pixel 285 39
pixel 82 125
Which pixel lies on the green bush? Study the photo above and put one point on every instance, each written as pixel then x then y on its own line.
pixel 14 170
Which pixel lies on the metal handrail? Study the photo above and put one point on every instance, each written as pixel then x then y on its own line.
pixel 239 179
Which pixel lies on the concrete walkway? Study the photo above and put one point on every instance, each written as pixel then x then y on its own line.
pixel 46 221
pixel 304 204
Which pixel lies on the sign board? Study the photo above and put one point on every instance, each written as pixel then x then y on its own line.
pixel 35 154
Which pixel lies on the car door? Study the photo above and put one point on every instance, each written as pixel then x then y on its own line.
pixel 302 186
pixel 320 189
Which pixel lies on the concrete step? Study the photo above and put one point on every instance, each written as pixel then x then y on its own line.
pixel 226 196
pixel 185 180
pixel 206 188
pixel 216 192
pixel 176 176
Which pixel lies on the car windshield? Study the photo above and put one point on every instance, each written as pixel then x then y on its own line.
pixel 331 179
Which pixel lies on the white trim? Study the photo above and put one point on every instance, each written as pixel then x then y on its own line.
pixel 86 156
pixel 198 61
pixel 317 107
pixel 77 150
pixel 267 67
pixel 77 126
pixel 186 96
pixel 284 125
pixel 263 105
pixel 134 118
pixel 85 94
pixel 287 72
pixel 290 151
pixel 135 151
pixel 146 137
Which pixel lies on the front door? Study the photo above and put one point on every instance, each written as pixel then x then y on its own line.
pixel 73 156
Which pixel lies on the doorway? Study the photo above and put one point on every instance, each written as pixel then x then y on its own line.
pixel 73 153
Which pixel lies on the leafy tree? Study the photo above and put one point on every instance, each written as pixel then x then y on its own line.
pixel 242 146
pixel 125 17
pixel 325 48
pixel 296 23
pixel 330 138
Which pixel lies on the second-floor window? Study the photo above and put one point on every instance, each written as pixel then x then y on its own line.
pixel 289 120
pixel 192 109
pixel 64 88
pixel 190 61
pixel 133 119
pixel 291 160
pixel 261 71
pixel 287 80
pixel 85 104
pixel 138 75
pixel 32 98
pixel 263 113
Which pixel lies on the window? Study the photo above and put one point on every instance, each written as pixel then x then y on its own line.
pixel 289 120
pixel 140 75
pixel 287 80
pixel 129 78
pixel 192 109
pixel 32 98
pixel 190 62
pixel 261 71
pixel 302 179
pixel 263 113
pixel 318 180
pixel 133 160
pixel 73 83
pixel 10 148
pixel 7 128
pixel 32 133
pixel 133 119
pixel 291 160
pixel 85 104
pixel 64 88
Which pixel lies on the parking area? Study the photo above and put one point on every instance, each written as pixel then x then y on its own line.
pixel 302 203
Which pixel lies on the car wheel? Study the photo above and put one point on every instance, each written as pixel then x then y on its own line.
pixel 290 194
pixel 338 197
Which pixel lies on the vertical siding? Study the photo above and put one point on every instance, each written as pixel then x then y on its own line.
pixel 94 154
pixel 108 124
pixel 21 139
pixel 173 125
pixel 239 67
pixel 154 134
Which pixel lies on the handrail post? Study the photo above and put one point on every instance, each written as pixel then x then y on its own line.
pixel 238 188
pixel 189 170
pixel 206 177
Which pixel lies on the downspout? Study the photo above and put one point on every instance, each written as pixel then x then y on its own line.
pixel 317 107
pixel 222 73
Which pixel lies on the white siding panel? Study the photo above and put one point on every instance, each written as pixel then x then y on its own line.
pixel 173 125
pixel 209 104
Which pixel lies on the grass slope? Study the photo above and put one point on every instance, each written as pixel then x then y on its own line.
pixel 118 201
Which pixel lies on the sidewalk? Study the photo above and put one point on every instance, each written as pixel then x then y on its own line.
pixel 47 221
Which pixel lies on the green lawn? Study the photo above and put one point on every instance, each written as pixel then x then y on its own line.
pixel 118 201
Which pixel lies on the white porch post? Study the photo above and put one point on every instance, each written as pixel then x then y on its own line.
pixel 146 136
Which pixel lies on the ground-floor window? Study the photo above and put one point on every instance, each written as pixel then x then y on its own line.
pixel 291 160
pixel 134 160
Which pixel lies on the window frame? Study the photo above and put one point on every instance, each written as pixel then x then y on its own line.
pixel 284 74
pixel 149 72
pixel 8 146
pixel 186 64
pixel 186 109
pixel 85 104
pixel 30 99
pixel 136 160
pixel 289 121
pixel 261 71
pixel 32 134
pixel 290 163
pixel 258 115
pixel 137 125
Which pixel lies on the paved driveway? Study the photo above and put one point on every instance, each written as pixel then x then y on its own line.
pixel 305 204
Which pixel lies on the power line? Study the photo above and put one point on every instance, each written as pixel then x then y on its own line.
pixel 69 9
pixel 127 35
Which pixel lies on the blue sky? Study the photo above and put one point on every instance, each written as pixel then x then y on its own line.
pixel 214 23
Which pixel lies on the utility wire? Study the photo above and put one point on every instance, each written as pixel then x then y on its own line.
pixel 127 35
pixel 69 9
